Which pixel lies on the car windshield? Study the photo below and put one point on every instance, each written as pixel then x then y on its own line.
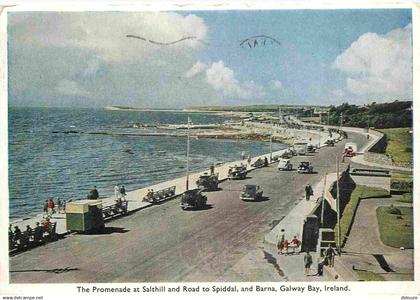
pixel 249 188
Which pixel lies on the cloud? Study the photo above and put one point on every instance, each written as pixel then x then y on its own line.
pixel 70 88
pixel 379 66
pixel 223 80
pixel 196 69
pixel 276 85
pixel 105 33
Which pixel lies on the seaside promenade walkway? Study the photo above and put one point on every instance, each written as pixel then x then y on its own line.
pixel 135 197
pixel 164 243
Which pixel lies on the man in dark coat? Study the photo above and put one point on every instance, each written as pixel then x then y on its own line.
pixel 308 192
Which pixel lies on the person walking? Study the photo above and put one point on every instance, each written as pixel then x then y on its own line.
pixel 307 260
pixel 59 205
pixel 51 206
pixel 249 159
pixel 329 254
pixel 242 155
pixel 93 194
pixel 308 192
pixel 123 193
pixel 117 192
pixel 46 207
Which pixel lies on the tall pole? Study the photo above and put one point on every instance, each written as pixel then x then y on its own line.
pixel 341 120
pixel 323 201
pixel 338 208
pixel 328 119
pixel 188 154
pixel 271 145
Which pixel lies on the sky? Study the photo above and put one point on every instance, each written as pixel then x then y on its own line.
pixel 321 57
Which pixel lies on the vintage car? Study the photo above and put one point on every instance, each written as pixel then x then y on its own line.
pixel 251 192
pixel 193 199
pixel 301 147
pixel 330 142
pixel 285 165
pixel 237 172
pixel 208 182
pixel 305 167
pixel 260 162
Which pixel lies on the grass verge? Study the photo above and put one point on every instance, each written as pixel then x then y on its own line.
pixel 346 221
pixel 399 147
pixel 396 230
pixel 406 198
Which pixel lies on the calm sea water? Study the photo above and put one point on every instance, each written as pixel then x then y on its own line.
pixel 44 164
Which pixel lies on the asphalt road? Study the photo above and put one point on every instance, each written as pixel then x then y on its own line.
pixel 165 243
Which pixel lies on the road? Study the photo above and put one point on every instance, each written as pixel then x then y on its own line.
pixel 165 243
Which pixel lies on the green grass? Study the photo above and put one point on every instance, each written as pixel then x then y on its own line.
pixel 400 146
pixel 360 192
pixel 396 230
pixel 406 198
pixel 368 276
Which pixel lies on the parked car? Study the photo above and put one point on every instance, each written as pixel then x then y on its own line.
pixel 208 182
pixel 237 172
pixel 305 167
pixel 330 143
pixel 285 165
pixel 193 199
pixel 251 192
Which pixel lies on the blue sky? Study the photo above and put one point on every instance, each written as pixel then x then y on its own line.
pixel 324 57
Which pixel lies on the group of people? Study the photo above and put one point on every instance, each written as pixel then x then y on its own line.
pixel 51 207
pixel 326 259
pixel 285 247
pixel 120 193
pixel 19 238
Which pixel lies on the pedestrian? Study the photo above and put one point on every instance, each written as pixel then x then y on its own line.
pixel 38 233
pixel 321 263
pixel 122 192
pixel 242 155
pixel 117 192
pixel 280 242
pixel 46 207
pixel 308 192
pixel 329 254
pixel 59 205
pixel 265 161
pixel 93 194
pixel 249 159
pixel 51 206
pixel 64 205
pixel 17 234
pixel 295 244
pixel 212 170
pixel 286 247
pixel 307 260
pixel 28 229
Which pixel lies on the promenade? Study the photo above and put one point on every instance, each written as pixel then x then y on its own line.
pixel 164 243
pixel 135 197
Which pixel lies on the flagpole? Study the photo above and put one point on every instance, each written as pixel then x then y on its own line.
pixel 323 201
pixel 188 154
pixel 338 208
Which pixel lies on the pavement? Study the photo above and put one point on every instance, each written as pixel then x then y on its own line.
pixel 364 242
pixel 224 242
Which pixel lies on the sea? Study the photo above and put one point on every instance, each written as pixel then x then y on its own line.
pixel 48 159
